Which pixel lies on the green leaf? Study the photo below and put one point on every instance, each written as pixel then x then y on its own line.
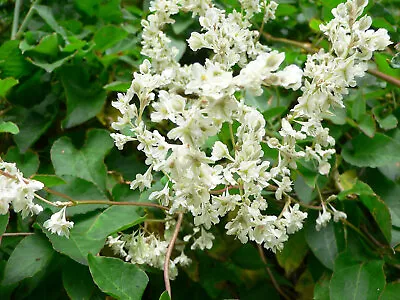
pixel 303 190
pixel 114 219
pixel 4 222
pixel 50 67
pixel 108 36
pixel 48 45
pixel 79 244
pixel 117 86
pixel 79 189
pixel 321 289
pixel 180 45
pixel 47 15
pixel 49 180
pixel 389 191
pixel 6 84
pixel 367 125
pixel 109 10
pixel 322 243
pixel 27 162
pixel 30 256
pixel 285 10
pixel 358 109
pixel 378 151
pixel 181 25
pixel 395 62
pixel 9 127
pixel 380 22
pixel 354 279
pixel 84 99
pixel 164 296
pixel 12 62
pixel 377 207
pixel 290 260
pixel 381 59
pixel 391 291
pixel 314 24
pixel 33 122
pixel 386 121
pixel 259 102
pixel 78 282
pixel 395 238
pixel 274 112
pixel 247 257
pixel 86 163
pixel 129 284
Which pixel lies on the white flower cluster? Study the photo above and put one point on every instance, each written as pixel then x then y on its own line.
pixel 140 248
pixel 17 191
pixel 197 100
pixel 329 77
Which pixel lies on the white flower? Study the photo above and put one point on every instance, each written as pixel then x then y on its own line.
pixel 120 140
pixel 142 181
pixel 290 77
pixel 283 186
pixel 204 241
pixel 323 219
pixel 162 196
pixel 337 214
pixel 219 151
pixel 182 260
pixel 116 245
pixel 58 223
pixel 294 218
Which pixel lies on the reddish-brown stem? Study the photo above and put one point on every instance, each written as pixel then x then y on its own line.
pixel 169 252
pixel 271 275
pixel 106 202
pixel 73 202
pixel 17 234
pixel 59 194
pixel 218 192
pixel 385 77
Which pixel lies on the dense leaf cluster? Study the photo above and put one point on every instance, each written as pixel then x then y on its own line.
pixel 61 67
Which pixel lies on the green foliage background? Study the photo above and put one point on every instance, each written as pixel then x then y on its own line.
pixel 58 77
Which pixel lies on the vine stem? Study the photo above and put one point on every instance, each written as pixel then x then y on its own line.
pixel 15 22
pixel 106 202
pixel 45 200
pixel 221 191
pixel 17 234
pixel 347 223
pixel 59 194
pixel 305 46
pixel 385 77
pixel 72 202
pixel 26 20
pixel 169 252
pixel 271 275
